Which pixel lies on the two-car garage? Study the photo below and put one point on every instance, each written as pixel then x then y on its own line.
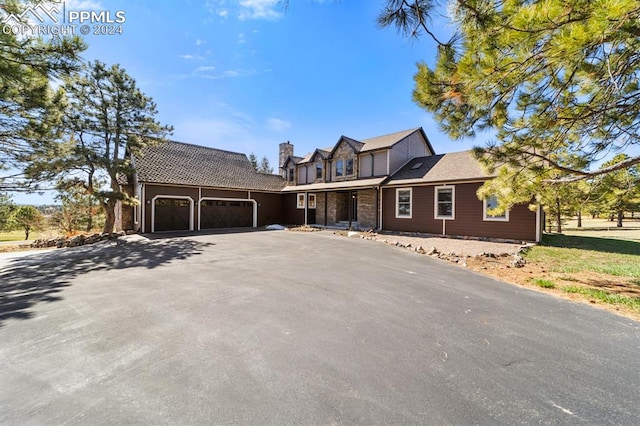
pixel 182 213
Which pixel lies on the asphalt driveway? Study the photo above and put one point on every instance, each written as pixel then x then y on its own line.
pixel 284 327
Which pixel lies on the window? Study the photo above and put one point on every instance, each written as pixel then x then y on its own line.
pixel 445 202
pixel 312 201
pixel 319 170
pixel 291 174
pixel 340 168
pixel 492 203
pixel 349 167
pixel 403 203
pixel 301 201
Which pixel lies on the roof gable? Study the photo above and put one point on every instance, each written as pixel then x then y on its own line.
pixel 355 145
pixel 388 141
pixel 291 159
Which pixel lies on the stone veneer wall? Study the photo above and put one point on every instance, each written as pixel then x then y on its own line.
pixel 367 208
pixel 331 208
pixel 344 152
pixel 320 208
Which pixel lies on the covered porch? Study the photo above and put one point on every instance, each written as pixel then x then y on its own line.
pixel 341 205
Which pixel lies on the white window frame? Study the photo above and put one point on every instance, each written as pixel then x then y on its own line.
pixel 312 201
pixel 398 215
pixel 436 190
pixel 488 218
pixel 301 197
pixel 319 167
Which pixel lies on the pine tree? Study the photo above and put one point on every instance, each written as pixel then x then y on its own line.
pixel 254 161
pixel 108 120
pixel 265 167
pixel 549 77
pixel 29 108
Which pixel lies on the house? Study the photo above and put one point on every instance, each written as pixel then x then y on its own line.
pixel 394 182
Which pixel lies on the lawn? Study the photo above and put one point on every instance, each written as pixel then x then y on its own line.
pixel 570 254
pixel 12 236
pixel 599 264
pixel 18 236
pixel 603 271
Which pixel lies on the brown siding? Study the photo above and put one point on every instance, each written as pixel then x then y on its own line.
pixel 221 193
pixel 292 215
pixel 269 208
pixel 468 216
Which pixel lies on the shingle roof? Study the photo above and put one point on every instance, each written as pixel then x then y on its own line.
pixel 455 166
pixel 179 163
pixel 386 141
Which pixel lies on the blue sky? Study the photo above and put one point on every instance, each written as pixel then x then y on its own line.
pixel 246 75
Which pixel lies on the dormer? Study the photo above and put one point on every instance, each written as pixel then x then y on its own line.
pixel 288 169
pixel 343 159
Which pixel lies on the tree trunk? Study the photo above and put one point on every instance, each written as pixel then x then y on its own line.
pixel 26 233
pixel 558 216
pixel 620 217
pixel 579 219
pixel 110 216
pixel 90 219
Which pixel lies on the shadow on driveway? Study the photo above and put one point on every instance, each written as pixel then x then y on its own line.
pixel 37 278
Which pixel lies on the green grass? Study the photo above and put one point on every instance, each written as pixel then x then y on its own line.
pixel 12 236
pixel 18 236
pixel 603 296
pixel 571 254
pixel 541 282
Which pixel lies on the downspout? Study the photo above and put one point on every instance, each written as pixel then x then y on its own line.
pixel 143 207
pixel 350 208
pixel 199 207
pixel 377 188
pixel 381 208
pixel 306 207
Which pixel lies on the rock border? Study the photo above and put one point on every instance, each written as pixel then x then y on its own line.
pixel 76 240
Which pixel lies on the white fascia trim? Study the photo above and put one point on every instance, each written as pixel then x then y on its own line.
pixel 453 202
pixel 255 207
pixel 175 197
pixel 410 215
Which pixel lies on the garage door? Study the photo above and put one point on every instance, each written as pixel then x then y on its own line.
pixel 172 214
pixel 225 214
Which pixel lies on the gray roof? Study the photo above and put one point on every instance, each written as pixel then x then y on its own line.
pixel 455 166
pixel 179 163
pixel 387 141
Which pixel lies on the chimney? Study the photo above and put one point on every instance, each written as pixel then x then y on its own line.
pixel 286 150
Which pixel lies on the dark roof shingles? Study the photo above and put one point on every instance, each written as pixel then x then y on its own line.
pixel 455 166
pixel 179 163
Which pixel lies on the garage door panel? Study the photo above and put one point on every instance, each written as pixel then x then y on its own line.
pixel 172 214
pixel 226 214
